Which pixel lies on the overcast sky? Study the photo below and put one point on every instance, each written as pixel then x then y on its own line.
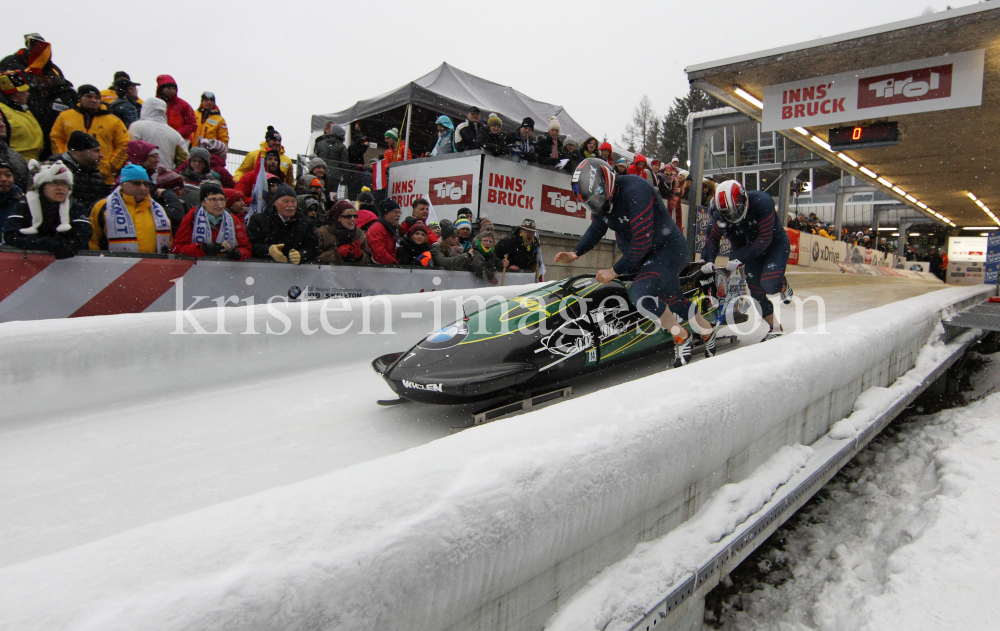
pixel 277 63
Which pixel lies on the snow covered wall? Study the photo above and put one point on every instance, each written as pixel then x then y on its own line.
pixel 488 528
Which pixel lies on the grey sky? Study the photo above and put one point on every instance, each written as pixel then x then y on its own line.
pixel 277 63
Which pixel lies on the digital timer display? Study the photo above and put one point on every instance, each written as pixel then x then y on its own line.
pixel 874 135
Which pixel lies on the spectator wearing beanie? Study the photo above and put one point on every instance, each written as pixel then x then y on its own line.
pixel 549 146
pixel 218 150
pixel 329 177
pixel 198 170
pixel 127 106
pixel 180 116
pixel 47 218
pixel 236 203
pixel 571 154
pixel 91 116
pixel 152 127
pixel 211 230
pixel 492 138
pixel 521 143
pixel 397 148
pixel 168 192
pixel 464 227
pixel 605 151
pixel 82 157
pixel 20 127
pixel 146 155
pixel 484 262
pixel 272 143
pixel 447 253
pixel 128 220
pixel 367 210
pixel 382 233
pixel 209 124
pixel 340 240
pixel 413 249
pixel 281 232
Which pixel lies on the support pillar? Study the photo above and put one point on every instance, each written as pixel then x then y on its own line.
pixel 696 153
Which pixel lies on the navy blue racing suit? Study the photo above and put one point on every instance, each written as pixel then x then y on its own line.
pixel 759 242
pixel 651 245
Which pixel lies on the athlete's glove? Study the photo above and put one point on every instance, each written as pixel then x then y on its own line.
pixel 708 268
pixel 733 265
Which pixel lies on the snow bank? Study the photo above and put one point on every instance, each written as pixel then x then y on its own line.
pixel 421 539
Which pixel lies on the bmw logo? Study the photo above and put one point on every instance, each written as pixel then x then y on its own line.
pixel 294 292
pixel 448 337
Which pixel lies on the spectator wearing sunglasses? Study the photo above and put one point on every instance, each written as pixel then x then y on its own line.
pixel 272 142
pixel 211 125
pixel 341 242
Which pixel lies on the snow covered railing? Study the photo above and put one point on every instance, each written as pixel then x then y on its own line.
pixel 496 527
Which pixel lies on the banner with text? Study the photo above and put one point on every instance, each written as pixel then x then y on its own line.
pixel 513 192
pixel 449 183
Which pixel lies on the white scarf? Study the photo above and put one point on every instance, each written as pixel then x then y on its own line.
pixel 201 228
pixel 120 229
pixel 37 216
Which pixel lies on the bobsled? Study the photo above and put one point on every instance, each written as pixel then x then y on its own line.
pixel 544 337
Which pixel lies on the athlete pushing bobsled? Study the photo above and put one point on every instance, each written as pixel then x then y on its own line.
pixel 652 247
pixel 759 242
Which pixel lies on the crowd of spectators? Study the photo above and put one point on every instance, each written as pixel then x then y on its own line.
pixel 866 238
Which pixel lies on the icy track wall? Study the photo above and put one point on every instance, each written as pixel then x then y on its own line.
pixel 486 529
pixel 51 367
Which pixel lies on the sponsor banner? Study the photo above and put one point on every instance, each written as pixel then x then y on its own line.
pixel 449 183
pixel 967 249
pixel 923 85
pixel 805 249
pixel 826 253
pixel 512 192
pixel 992 257
pixel 39 287
pixel 793 243
pixel 966 273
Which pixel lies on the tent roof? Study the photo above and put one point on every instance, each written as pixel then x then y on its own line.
pixel 451 91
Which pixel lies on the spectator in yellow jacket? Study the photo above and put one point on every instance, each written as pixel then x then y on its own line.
pixel 211 125
pixel 128 220
pixel 272 140
pixel 26 137
pixel 92 116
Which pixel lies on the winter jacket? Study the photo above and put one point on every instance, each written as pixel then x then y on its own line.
pixel 173 205
pixel 382 241
pixel 467 135
pixel 180 116
pixel 267 228
pixel 182 239
pixel 333 151
pixel 142 219
pixel 520 148
pixel 21 60
pixel 126 110
pixel 24 134
pixel 8 204
pixel 209 125
pixel 153 128
pixel 543 150
pixel 109 131
pixel 573 159
pixel 48 238
pixel 644 171
pixel 404 228
pixel 329 244
pixel 442 257
pixel 47 105
pixel 517 252
pixel 484 264
pixel 250 163
pixel 493 144
pixel 407 251
pixel 17 163
pixel 218 166
pixel 366 218
pixel 445 142
pixel 88 183
pixel 356 152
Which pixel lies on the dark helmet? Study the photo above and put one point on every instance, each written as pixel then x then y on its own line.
pixel 730 201
pixel 594 185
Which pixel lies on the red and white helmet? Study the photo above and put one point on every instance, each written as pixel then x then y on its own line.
pixel 731 201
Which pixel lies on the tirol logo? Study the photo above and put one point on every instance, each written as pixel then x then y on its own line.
pixel 560 202
pixel 922 84
pixel 454 189
pixel 825 253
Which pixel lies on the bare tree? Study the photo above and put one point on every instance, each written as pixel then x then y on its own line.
pixel 642 134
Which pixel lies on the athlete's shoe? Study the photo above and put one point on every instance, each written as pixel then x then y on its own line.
pixel 786 292
pixel 772 334
pixel 710 342
pixel 682 351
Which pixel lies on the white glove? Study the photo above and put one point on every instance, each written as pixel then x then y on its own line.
pixel 733 265
pixel 708 268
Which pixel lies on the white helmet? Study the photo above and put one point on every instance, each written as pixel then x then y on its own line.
pixel 731 201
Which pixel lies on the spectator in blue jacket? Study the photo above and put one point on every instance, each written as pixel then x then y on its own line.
pixel 467 135
pixel 446 136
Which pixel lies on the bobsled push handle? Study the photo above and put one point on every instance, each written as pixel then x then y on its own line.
pixel 569 282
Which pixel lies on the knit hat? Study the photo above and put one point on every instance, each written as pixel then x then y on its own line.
pixel 622 161
pixel 166 178
pixel 554 123
pixel 315 162
pixel 486 230
pixel 447 229
pixel 494 120
pixel 386 206
pixel 81 141
pixel 43 174
pixel 233 196
pixel 338 209
pixel 605 146
pixel 13 81
pixel 464 211
pixel 675 159
pixel 419 227
pixel 200 153
pixel 392 133
pixel 209 187
pixel 463 223
pixel 271 134
pixel 528 122
pixel 86 88
pixel 568 140
pixel 131 172
pixel 366 197
pixel 215 147
pixel 138 151
pixel 283 190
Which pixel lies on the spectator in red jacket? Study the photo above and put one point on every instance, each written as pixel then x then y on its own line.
pixel 180 116
pixel 421 210
pixel 641 168
pixel 605 150
pixel 382 233
pixel 210 230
